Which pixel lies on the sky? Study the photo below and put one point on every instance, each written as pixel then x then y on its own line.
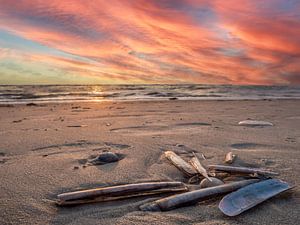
pixel 150 41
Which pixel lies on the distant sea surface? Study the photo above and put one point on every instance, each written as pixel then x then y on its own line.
pixel 80 93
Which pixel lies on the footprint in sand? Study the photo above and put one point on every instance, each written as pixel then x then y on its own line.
pixel 108 154
pixel 105 157
pixel 158 129
pixel 114 145
pixel 2 158
pixel 82 146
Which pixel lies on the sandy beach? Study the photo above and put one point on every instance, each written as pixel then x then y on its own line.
pixel 43 150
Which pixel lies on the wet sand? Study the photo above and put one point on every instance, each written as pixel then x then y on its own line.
pixel 44 148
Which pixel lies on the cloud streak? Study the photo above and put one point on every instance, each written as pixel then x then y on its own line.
pixel 158 41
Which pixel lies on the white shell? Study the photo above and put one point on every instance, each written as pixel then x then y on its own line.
pixel 254 123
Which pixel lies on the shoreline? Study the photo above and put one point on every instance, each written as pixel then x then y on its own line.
pixel 3 104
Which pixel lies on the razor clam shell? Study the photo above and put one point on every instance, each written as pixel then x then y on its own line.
pixel 118 190
pixel 206 183
pixel 245 170
pixel 186 198
pixel 180 164
pixel 124 196
pixel 198 167
pixel 247 197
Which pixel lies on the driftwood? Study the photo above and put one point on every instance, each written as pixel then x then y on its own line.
pixel 243 170
pixel 247 197
pixel 119 192
pixel 180 163
pixel 198 167
pixel 176 201
pixel 230 157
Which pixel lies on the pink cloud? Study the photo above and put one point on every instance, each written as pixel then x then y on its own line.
pixel 166 41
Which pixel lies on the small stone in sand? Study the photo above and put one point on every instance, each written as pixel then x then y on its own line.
pixel 76 168
pixel 205 183
pixel 105 157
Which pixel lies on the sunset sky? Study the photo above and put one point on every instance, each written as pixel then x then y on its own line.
pixel 144 41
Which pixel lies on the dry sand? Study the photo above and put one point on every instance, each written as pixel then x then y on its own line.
pixel 42 153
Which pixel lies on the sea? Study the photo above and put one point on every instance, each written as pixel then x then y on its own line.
pixel 23 94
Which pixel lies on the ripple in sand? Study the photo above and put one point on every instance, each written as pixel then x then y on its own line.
pixel 193 124
pixel 114 145
pixel 248 145
pixel 158 129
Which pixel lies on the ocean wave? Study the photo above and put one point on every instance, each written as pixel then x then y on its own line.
pixel 67 93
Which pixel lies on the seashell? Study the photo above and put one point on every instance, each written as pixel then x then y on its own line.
pixel 198 167
pixel 230 157
pixel 182 165
pixel 205 183
pixel 118 192
pixel 191 197
pixel 247 197
pixel 254 123
pixel 242 170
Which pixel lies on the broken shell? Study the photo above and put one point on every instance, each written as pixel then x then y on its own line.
pixel 230 157
pixel 182 165
pixel 198 167
pixel 205 183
